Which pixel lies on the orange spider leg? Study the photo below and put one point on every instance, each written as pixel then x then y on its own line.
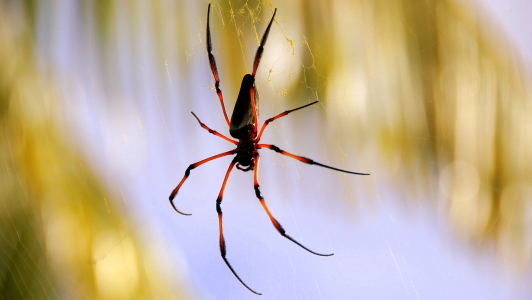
pixel 276 224
pixel 219 211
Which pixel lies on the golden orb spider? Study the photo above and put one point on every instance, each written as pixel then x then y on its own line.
pixel 244 127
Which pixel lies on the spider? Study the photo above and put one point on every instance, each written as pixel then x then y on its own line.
pixel 244 127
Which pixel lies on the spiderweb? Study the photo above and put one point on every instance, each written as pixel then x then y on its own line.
pixel 417 94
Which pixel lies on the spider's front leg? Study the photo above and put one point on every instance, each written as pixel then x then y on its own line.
pixel 214 69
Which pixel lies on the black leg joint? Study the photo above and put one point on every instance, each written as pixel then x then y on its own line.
pixel 257 192
pixel 218 206
pixel 187 172
pixel 275 148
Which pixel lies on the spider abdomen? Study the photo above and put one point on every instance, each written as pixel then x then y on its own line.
pixel 243 121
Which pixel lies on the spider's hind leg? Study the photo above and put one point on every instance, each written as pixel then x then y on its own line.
pixel 276 224
pixel 220 223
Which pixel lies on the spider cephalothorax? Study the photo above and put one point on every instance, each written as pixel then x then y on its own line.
pixel 245 155
pixel 244 127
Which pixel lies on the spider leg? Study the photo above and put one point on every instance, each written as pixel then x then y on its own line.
pixel 304 159
pixel 252 94
pixel 216 133
pixel 280 115
pixel 187 173
pixel 260 50
pixel 219 211
pixel 214 69
pixel 276 224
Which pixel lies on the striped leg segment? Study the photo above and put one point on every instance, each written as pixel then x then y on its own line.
pixel 214 69
pixel 252 94
pixel 187 173
pixel 276 224
pixel 280 115
pixel 260 50
pixel 216 133
pixel 220 216
pixel 304 159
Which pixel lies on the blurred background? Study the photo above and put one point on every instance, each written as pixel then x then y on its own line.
pixel 431 97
